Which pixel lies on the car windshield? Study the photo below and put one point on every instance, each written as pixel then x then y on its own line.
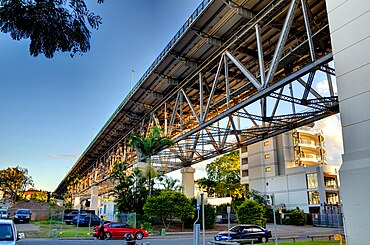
pixel 22 211
pixel 6 232
pixel 2 212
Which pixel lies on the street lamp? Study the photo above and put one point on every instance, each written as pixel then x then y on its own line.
pixel 132 78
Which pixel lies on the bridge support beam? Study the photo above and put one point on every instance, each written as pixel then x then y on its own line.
pixel 349 21
pixel 188 181
pixel 94 198
pixel 77 202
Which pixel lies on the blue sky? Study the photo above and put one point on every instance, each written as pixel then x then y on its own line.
pixel 52 108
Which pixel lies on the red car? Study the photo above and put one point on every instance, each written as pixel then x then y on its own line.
pixel 119 229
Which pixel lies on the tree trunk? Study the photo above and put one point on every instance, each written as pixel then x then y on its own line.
pixel 149 177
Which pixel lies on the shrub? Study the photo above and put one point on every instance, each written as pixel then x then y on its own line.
pixel 209 219
pixel 297 217
pixel 250 212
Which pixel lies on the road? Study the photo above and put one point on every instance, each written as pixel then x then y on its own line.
pixel 182 238
pixel 178 240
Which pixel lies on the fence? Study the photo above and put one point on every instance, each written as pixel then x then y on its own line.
pixel 129 218
pixel 327 219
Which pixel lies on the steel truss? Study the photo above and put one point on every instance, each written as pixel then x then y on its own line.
pixel 254 86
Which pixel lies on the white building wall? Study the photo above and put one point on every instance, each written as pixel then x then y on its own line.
pixel 350 33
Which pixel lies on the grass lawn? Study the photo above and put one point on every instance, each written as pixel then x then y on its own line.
pixel 317 242
pixel 62 230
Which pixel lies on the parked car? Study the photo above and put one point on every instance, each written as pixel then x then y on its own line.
pixel 68 218
pixel 86 220
pixel 120 229
pixel 4 214
pixel 8 233
pixel 22 215
pixel 245 232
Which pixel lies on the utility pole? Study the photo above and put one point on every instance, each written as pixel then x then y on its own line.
pixel 203 220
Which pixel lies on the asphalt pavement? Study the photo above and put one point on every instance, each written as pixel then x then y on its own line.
pixel 178 238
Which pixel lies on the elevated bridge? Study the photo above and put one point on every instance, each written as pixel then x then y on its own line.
pixel 237 72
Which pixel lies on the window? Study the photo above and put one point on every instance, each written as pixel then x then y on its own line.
pixel 6 233
pixel 312 181
pixel 266 143
pixel 267 156
pixel 313 197
pixel 244 161
pixel 245 173
pixel 330 182
pixel 268 169
pixel 331 198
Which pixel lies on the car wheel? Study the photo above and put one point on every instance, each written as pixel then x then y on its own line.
pixel 108 235
pixel 139 235
pixel 263 239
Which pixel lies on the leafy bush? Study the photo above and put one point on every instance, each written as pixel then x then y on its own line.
pixel 250 212
pixel 209 216
pixel 209 219
pixel 167 206
pixel 297 217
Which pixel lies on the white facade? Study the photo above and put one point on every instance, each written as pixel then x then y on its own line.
pixel 291 166
pixel 350 35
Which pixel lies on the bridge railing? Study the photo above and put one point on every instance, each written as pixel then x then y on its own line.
pixel 168 47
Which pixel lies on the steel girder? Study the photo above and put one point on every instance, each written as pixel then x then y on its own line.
pixel 256 83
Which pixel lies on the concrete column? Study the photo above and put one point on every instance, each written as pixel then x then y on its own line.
pixel 188 181
pixel 349 29
pixel 77 202
pixel 94 198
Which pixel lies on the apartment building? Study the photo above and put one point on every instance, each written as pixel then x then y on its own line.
pixel 293 167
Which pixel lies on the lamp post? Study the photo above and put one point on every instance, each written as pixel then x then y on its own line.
pixel 132 78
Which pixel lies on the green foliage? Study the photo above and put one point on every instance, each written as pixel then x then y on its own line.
pixel 168 183
pixel 53 25
pixel 130 191
pixel 149 145
pixel 235 203
pixel 250 212
pixel 258 197
pixel 68 205
pixel 209 216
pixel 167 206
pixel 14 181
pixel 209 219
pixel 297 217
pixel 223 177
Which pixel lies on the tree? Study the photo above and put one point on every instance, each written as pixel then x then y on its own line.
pixel 250 212
pixel 150 145
pixel 137 183
pixel 167 206
pixel 72 181
pixel 169 183
pixel 223 176
pixel 130 191
pixel 258 197
pixel 14 181
pixel 51 25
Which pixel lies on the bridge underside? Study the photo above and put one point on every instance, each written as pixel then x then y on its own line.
pixel 236 73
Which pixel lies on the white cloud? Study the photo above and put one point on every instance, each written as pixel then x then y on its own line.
pixel 62 156
pixel 332 131
pixel 323 87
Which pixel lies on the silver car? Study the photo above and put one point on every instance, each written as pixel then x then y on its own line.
pixel 8 232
